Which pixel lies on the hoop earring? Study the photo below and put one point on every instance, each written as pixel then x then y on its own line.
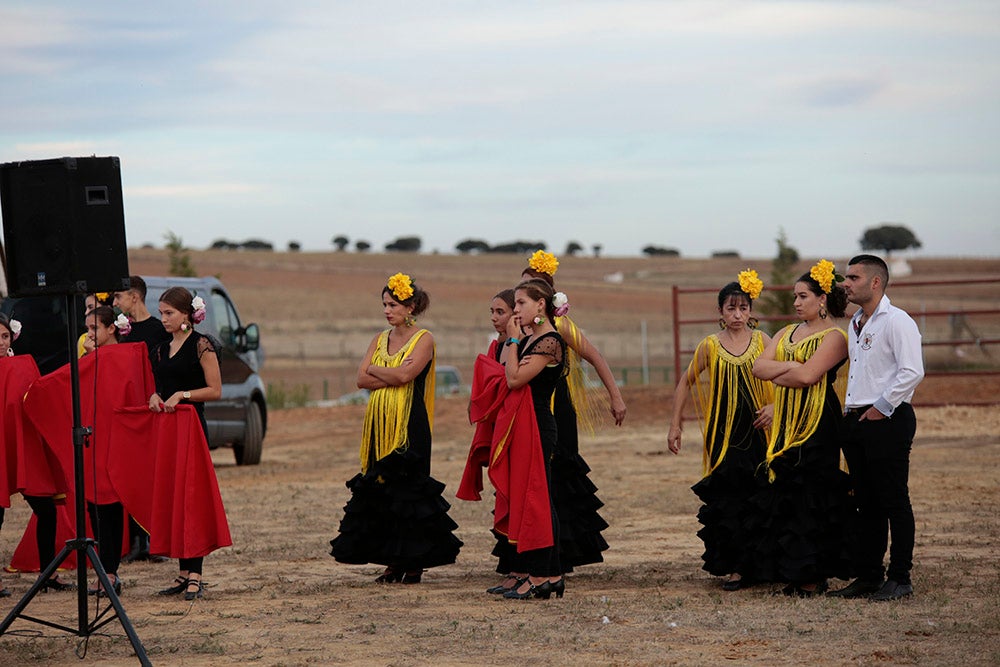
pixel 722 323
pixel 822 312
pixel 753 323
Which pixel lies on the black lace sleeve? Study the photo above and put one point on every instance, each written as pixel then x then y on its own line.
pixel 208 344
pixel 550 345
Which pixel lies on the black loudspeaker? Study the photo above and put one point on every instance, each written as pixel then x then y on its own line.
pixel 64 226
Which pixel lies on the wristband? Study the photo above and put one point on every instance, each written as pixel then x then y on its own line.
pixel 512 341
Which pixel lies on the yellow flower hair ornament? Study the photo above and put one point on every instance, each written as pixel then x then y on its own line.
pixel 401 286
pixel 825 274
pixel 544 262
pixel 750 283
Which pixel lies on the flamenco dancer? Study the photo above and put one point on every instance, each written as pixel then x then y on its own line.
pixel 799 526
pixel 735 411
pixel 574 494
pixel 397 516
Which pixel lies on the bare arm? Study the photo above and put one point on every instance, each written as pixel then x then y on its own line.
pixel 411 367
pixel 830 352
pixel 365 379
pixel 594 357
pixel 681 395
pixel 766 367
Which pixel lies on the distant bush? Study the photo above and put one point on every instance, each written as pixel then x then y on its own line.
pixel 515 247
pixel 294 246
pixel 472 245
pixel 723 254
pixel 362 246
pixel 660 251
pixel 404 244
pixel 257 244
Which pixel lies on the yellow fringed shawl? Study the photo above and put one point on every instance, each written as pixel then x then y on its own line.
pixel 589 405
pixel 797 410
pixel 733 374
pixel 388 410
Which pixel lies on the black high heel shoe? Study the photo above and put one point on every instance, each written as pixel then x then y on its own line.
pixel 543 591
pixel 196 593
pixel 501 589
pixel 56 585
pixel 117 585
pixel 559 587
pixel 412 577
pixel 390 576
pixel 180 584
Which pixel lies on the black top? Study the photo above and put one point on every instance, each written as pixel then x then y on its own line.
pixel 183 371
pixel 150 331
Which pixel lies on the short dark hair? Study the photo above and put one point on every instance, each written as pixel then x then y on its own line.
pixel 876 262
pixel 137 285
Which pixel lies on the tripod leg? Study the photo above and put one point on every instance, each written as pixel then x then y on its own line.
pixel 109 591
pixel 35 588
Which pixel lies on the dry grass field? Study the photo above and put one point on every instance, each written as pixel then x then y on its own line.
pixel 276 598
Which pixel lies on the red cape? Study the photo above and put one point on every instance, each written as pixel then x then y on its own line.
pixel 27 465
pixel 507 441
pixel 123 379
pixel 161 469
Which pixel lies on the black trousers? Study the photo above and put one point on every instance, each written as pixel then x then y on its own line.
pixel 878 456
pixel 108 523
pixel 44 508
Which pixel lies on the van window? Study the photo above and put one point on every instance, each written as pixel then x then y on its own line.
pixel 225 318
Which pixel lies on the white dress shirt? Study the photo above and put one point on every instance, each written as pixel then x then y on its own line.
pixel 886 359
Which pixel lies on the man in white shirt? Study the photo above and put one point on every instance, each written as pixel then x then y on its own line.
pixel 886 366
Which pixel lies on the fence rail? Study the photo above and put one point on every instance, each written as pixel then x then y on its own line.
pixel 959 316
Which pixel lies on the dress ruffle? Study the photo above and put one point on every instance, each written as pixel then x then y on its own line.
pixel 398 517
pixel 800 529
pixel 573 493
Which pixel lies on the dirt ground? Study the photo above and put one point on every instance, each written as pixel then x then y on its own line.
pixel 277 598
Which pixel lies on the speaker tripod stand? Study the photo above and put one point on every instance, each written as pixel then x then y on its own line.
pixel 81 544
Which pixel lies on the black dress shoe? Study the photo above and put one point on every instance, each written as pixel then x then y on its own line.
pixel 56 585
pixel 859 588
pixel 892 590
pixel 194 589
pixel 4 593
pixel 180 583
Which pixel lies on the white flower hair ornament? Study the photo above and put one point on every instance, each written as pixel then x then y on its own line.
pixel 198 316
pixel 561 303
pixel 15 329
pixel 123 325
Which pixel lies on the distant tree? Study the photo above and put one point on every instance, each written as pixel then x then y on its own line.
pixel 725 254
pixel 597 248
pixel 362 246
pixel 294 246
pixel 572 248
pixel 889 238
pixel 472 245
pixel 180 258
pixel 518 247
pixel 660 251
pixel 341 242
pixel 257 244
pixel 780 302
pixel 223 244
pixel 404 244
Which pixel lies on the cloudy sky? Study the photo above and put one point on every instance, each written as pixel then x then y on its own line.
pixel 700 125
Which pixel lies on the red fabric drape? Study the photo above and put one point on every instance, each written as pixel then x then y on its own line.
pixel 161 469
pixel 507 442
pixel 112 377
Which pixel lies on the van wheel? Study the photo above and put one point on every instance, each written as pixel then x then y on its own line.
pixel 248 452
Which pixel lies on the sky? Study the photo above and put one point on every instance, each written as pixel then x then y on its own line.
pixel 699 125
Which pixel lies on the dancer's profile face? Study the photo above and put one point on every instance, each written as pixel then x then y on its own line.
pixel 500 312
pixel 395 312
pixel 5 339
pixel 171 317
